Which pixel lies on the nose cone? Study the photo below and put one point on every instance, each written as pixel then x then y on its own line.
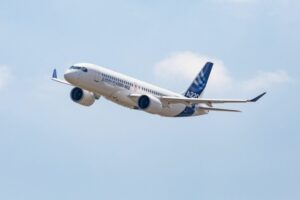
pixel 71 76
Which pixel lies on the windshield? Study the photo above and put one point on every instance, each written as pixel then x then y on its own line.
pixel 79 68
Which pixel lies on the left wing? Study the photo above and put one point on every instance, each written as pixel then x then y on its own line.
pixel 192 101
pixel 54 78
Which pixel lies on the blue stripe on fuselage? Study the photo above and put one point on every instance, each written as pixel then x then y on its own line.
pixel 187 112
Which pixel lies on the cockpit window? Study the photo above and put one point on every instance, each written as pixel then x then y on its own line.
pixel 84 69
pixel 74 67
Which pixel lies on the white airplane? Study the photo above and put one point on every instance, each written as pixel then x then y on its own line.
pixel 90 82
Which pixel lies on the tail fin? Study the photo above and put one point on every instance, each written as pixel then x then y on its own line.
pixel 199 84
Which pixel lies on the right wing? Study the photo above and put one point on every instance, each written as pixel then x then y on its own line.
pixel 217 109
pixel 193 101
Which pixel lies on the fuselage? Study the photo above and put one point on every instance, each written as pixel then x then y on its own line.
pixel 117 88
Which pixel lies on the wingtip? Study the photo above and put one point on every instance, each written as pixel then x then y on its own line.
pixel 258 97
pixel 54 74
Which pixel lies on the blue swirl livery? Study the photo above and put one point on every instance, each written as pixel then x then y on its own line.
pixel 199 84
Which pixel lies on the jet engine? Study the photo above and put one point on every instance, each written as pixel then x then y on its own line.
pixel 149 104
pixel 82 97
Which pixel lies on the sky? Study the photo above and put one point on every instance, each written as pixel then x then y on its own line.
pixel 52 148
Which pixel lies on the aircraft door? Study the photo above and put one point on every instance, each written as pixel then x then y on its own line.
pixel 98 77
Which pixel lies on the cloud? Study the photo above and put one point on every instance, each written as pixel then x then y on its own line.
pixel 5 76
pixel 184 66
pixel 267 80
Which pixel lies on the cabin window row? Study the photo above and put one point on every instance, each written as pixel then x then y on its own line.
pixel 151 91
pixel 131 84
pixel 117 79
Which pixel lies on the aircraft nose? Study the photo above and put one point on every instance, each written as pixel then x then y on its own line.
pixel 71 76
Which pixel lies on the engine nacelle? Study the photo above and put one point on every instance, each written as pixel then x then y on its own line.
pixel 82 97
pixel 149 104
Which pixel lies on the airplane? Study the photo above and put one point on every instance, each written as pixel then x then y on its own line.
pixel 90 82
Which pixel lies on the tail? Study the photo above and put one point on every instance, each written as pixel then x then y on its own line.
pixel 199 84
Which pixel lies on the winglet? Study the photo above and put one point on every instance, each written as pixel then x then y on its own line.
pixel 258 97
pixel 54 78
pixel 54 75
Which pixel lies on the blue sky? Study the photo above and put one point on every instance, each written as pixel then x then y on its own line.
pixel 51 148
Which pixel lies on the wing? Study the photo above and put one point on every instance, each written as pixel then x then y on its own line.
pixel 54 78
pixel 217 109
pixel 193 101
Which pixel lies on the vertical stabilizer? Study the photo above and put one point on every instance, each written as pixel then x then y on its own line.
pixel 199 84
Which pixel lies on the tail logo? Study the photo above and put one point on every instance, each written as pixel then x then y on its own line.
pixel 200 80
pixel 199 84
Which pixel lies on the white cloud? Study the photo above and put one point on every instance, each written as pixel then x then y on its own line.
pixel 266 80
pixel 184 66
pixel 5 76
